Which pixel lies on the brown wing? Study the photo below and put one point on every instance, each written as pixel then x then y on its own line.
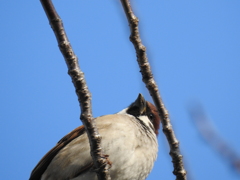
pixel 45 161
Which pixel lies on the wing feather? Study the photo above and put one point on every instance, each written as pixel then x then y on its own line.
pixel 46 160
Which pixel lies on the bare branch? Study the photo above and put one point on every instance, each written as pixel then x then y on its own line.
pixel 151 85
pixel 84 96
pixel 212 136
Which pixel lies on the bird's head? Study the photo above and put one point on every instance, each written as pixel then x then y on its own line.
pixel 145 112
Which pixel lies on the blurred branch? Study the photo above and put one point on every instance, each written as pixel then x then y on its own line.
pixel 151 85
pixel 212 137
pixel 84 96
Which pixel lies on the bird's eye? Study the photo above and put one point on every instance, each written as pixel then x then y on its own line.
pixel 150 116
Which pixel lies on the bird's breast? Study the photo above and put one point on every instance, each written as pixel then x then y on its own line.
pixel 131 151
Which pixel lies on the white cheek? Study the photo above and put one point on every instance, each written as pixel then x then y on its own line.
pixel 146 120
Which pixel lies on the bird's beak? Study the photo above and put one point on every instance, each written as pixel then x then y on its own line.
pixel 140 102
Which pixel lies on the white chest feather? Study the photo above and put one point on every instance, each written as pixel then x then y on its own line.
pixel 131 150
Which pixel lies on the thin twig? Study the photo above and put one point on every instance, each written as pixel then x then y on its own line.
pixel 84 96
pixel 151 85
pixel 210 135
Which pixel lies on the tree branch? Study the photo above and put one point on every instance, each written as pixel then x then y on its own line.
pixel 151 85
pixel 84 96
pixel 209 134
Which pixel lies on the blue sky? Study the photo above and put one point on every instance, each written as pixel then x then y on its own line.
pixel 193 47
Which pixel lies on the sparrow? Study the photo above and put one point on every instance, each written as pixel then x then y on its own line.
pixel 129 138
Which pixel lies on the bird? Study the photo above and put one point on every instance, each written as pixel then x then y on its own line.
pixel 129 138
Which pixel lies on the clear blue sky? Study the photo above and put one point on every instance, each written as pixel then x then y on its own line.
pixel 194 49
